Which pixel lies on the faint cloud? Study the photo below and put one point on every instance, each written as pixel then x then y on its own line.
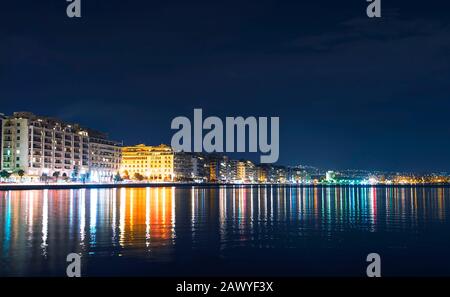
pixel 96 109
pixel 388 29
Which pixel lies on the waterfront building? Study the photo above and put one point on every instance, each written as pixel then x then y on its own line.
pixel 153 163
pixel 200 167
pixel 330 176
pixel 298 175
pixel 104 156
pixel 262 171
pixel 197 167
pixel 46 147
pixel 276 174
pixel 183 166
pixel 219 168
pixel 2 117
pixel 251 173
pixel 246 171
pixel 232 174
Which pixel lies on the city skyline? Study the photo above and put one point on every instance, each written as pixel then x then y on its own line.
pixel 351 92
pixel 46 147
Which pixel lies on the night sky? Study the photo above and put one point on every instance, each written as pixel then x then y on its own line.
pixel 351 92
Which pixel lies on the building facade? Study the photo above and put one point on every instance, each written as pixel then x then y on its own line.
pixel 105 157
pixel 262 172
pixel 184 166
pixel 2 117
pixel 219 168
pixel 246 171
pixel 153 163
pixel 200 167
pixel 43 146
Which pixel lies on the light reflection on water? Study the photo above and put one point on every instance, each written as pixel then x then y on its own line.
pixel 170 225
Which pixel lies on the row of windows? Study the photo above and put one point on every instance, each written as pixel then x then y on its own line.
pixel 6 165
pixel 9 160
pixel 145 159
pixel 8 132
pixel 8 138
pixel 143 166
pixel 145 162
pixel 152 175
pixel 10 125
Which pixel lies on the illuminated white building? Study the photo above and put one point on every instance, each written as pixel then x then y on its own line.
pixel 43 146
pixel 104 157
pixel 330 176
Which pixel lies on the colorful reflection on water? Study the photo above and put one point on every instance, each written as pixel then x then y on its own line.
pixel 219 230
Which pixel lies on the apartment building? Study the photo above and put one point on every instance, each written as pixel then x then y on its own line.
pixel 246 171
pixel 44 146
pixel 184 166
pixel 262 173
pixel 105 156
pixel 219 168
pixel 153 163
pixel 200 167
pixel 2 117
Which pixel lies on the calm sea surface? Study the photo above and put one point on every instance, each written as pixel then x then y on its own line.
pixel 219 231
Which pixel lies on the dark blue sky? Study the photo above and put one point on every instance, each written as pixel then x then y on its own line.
pixel 351 92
